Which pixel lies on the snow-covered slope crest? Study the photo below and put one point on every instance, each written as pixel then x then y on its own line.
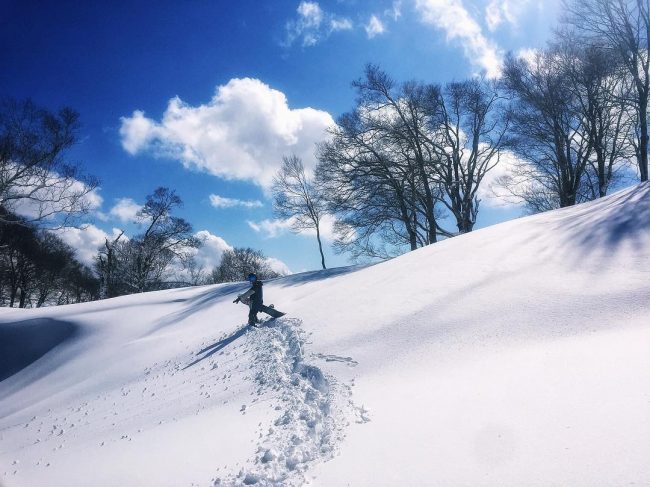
pixel 514 355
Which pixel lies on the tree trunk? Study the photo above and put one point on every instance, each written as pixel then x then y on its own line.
pixel 320 247
pixel 643 142
pixel 602 176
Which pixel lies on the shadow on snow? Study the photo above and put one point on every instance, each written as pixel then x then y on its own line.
pixel 219 345
pixel 24 342
pixel 319 275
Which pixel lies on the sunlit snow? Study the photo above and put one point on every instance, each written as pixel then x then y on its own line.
pixel 514 355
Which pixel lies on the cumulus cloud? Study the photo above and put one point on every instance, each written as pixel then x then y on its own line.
pixel 278 266
pixel 276 228
pixel 451 17
pixel 209 254
pixel 242 133
pixel 223 202
pixel 86 241
pixel 313 25
pixel 125 210
pixel 374 27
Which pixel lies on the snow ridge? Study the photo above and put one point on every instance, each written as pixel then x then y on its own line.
pixel 313 409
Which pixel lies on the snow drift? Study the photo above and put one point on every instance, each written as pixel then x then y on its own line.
pixel 514 355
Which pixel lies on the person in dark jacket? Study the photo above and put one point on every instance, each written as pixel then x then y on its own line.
pixel 254 298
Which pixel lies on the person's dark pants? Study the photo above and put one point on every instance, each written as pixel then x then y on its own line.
pixel 252 316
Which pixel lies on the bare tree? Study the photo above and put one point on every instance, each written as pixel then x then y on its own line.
pixel 296 197
pixel 106 265
pixel 405 154
pixel 142 262
pixel 237 263
pixel 368 188
pixel 376 171
pixel 37 268
pixel 35 181
pixel 193 272
pixel 468 138
pixel 600 90
pixel 402 113
pixel 165 238
pixel 622 27
pixel 549 134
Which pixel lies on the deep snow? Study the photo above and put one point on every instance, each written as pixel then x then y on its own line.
pixel 515 355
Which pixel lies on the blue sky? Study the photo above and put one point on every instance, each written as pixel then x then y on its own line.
pixel 205 96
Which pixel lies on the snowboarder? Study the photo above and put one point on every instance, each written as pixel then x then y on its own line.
pixel 255 300
pixel 254 297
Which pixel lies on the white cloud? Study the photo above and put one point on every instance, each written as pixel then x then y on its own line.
pixel 210 253
pixel 452 17
pixel 395 12
pixel 276 228
pixel 374 27
pixel 278 266
pixel 92 200
pixel 223 202
pixel 310 13
pixel 340 24
pixel 85 241
pixel 499 11
pixel 242 133
pixel 528 54
pixel 137 132
pixel 125 210
pixel 306 26
pixel 271 228
pixel 206 257
pixel 491 193
pixel 313 25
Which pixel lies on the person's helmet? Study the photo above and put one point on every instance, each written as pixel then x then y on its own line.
pixel 252 277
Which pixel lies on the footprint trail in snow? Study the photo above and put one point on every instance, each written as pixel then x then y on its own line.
pixel 314 409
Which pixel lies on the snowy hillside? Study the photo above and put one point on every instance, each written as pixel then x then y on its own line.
pixel 514 355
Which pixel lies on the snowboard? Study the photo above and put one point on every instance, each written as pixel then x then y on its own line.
pixel 273 314
pixel 271 311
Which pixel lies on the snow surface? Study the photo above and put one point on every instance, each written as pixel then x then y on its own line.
pixel 515 355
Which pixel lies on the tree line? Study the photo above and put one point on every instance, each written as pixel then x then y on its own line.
pixel 40 192
pixel 38 268
pixel 163 254
pixel 404 167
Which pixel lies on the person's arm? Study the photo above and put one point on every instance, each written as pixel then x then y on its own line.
pixel 245 296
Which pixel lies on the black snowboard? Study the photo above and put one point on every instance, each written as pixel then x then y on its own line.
pixel 269 310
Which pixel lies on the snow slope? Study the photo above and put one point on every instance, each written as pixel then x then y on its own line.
pixel 515 355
